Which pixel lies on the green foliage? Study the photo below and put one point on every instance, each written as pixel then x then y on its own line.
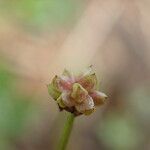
pixel 139 100
pixel 14 108
pixel 119 132
pixel 38 13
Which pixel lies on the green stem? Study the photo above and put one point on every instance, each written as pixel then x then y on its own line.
pixel 66 132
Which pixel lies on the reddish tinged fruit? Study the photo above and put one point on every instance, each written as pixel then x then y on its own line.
pixel 77 94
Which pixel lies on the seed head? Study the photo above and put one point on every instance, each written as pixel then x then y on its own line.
pixel 77 94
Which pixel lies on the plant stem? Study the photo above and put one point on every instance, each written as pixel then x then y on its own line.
pixel 66 132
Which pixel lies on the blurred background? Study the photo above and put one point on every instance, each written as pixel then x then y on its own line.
pixel 39 38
